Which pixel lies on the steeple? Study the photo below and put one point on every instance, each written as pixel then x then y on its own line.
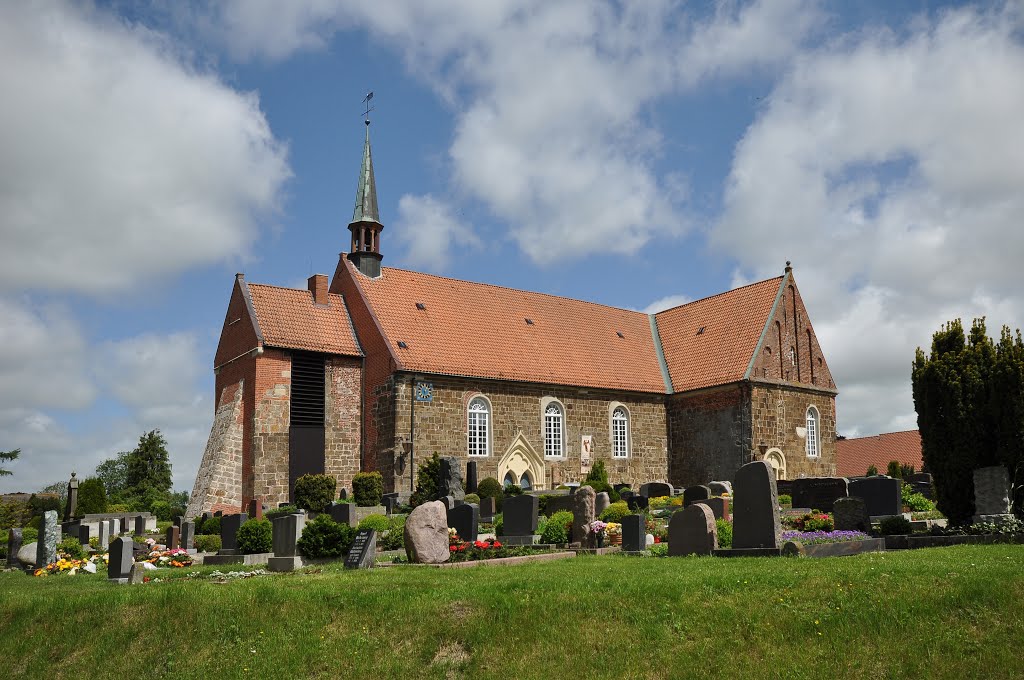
pixel 365 225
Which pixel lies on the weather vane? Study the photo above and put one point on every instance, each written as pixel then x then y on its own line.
pixel 366 100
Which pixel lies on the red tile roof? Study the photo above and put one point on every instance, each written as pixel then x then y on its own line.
pixel 732 324
pixel 481 330
pixel 853 456
pixel 288 318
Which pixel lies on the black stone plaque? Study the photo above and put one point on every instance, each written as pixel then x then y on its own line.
pixel 819 493
pixel 363 551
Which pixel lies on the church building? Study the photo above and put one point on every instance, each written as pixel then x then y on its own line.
pixel 378 368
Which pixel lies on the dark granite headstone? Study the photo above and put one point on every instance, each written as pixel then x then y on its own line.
pixel 918 478
pixel 173 537
pixel 634 534
pixel 140 525
pixel 119 565
pixel 720 488
pixel 471 477
pixel 620 487
pixel 784 487
pixel 465 519
pixel 13 546
pixel 449 482
pixel 636 503
pixel 882 495
pixel 177 521
pixel 343 495
pixel 46 543
pixel 692 531
pixel 219 513
pixel 229 526
pixel 488 506
pixel 655 489
pixel 557 504
pixel 699 492
pixel 449 502
pixel 344 513
pixel 123 528
pixel 390 504
pixel 256 508
pixel 519 515
pixel 719 506
pixel 756 521
pixel 287 530
pixel 363 551
pixel 188 535
pixel 819 493
pixel 850 514
pixel 83 534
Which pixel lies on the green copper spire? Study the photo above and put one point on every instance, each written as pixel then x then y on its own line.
pixel 366 193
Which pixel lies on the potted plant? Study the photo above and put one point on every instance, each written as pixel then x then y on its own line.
pixel 614 532
pixel 597 528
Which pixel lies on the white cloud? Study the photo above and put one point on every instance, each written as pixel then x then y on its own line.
pixel 121 159
pixel 430 232
pixel 888 167
pixel 667 302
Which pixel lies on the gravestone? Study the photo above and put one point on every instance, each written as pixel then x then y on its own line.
pixel 620 487
pixel 557 504
pixel 882 495
pixel 140 525
pixel 83 534
pixel 188 535
pixel 819 493
pixel 256 508
pixel 219 513
pixel 137 575
pixel 488 506
pixel 601 503
pixel 343 513
pixel 720 488
pixel 229 526
pixel 449 502
pixel 449 481
pixel 655 489
pixel 71 506
pixel 104 535
pixel 343 494
pixel 426 534
pixel 633 533
pixel 123 525
pixel 692 531
pixel 719 507
pixel 471 484
pixel 390 503
pixel 636 503
pixel 173 537
pixel 287 529
pixel 119 564
pixel 582 515
pixel 70 528
pixel 13 546
pixel 991 494
pixel 519 515
pixel 755 511
pixel 784 486
pixel 851 514
pixel 363 552
pixel 465 519
pixel 919 478
pixel 695 493
pixel 49 536
pixel 112 526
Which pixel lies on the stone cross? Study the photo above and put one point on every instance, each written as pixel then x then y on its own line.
pixel 756 522
pixel 46 544
pixel 119 565
pixel 72 504
pixel 692 531
pixel 582 515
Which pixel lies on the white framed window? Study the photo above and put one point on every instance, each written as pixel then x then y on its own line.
pixel 620 433
pixel 554 431
pixel 813 433
pixel 479 427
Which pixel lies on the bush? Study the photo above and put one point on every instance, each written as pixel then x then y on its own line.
pixel 616 512
pixel 210 527
pixel 916 501
pixel 512 490
pixel 490 488
pixel 367 488
pixel 894 470
pixel 207 543
pixel 394 539
pixel 323 537
pixel 897 525
pixel 28 535
pixel 161 527
pixel 872 471
pixel 499 525
pixel 785 499
pixel 35 522
pixel 379 523
pixel 14 514
pixel 71 547
pixel 597 473
pixel 280 512
pixel 315 492
pixel 255 536
pixel 607 488
pixel 473 498
pixel 426 482
pixel 558 528
pixel 724 533
pixel 92 497
pixel 162 510
pixel 658 550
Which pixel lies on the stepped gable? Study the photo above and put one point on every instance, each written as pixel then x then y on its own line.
pixel 288 318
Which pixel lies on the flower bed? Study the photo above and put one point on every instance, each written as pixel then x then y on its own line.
pixel 819 537
pixel 175 558
pixel 465 551
pixel 809 522
pixel 70 567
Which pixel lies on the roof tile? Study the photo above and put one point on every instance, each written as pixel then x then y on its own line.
pixel 288 318
pixel 853 456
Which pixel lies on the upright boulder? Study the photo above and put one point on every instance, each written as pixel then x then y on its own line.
pixel 583 503
pixel 426 534
pixel 601 503
pixel 449 481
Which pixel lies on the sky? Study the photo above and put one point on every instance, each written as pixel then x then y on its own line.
pixel 637 154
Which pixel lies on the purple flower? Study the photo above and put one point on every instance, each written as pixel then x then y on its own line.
pixel 812 537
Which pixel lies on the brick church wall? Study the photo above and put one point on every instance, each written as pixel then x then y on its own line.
pixel 780 419
pixel 343 427
pixel 441 426
pixel 269 470
pixel 710 434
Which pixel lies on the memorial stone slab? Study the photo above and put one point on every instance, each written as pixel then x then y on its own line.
pixel 471 483
pixel 256 508
pixel 119 565
pixel 13 546
pixel 287 529
pixel 720 488
pixel 426 534
pixel 636 503
pixel 83 534
pixel 450 479
pixel 344 513
pixel 919 478
pixel 188 535
pixel 449 502
pixel 655 489
pixel 173 537
pixel 882 495
pixel 819 493
pixel 692 531
pixel 582 514
pixel 113 526
pixel 755 513
pixel 719 506
pixel 46 543
pixel 229 526
pixel 344 494
pixel 559 503
pixel 123 525
pixel 633 533
pixel 991 491
pixel 519 515
pixel 363 552
pixel 465 520
pixel 104 535
pixel 137 575
pixel 390 504
pixel 140 525
pixel 850 514
pixel 700 492
pixel 601 503
pixel 784 486
pixel 488 506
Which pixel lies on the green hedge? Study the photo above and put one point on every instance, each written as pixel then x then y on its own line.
pixel 367 489
pixel 323 537
pixel 558 528
pixel 315 492
pixel 255 536
pixel 208 543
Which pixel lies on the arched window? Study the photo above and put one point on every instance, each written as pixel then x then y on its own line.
pixel 620 433
pixel 510 479
pixel 554 431
pixel 524 482
pixel 813 433
pixel 479 427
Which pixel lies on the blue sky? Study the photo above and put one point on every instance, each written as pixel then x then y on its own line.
pixel 635 154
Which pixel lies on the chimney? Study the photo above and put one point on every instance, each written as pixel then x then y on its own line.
pixel 317 285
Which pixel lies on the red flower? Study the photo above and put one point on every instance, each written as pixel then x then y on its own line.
pixel 495 544
pixel 657 539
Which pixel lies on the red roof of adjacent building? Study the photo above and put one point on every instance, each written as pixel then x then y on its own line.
pixel 287 317
pixel 711 341
pixel 853 456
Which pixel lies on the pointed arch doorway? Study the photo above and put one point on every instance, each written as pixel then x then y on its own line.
pixel 522 465
pixel 777 460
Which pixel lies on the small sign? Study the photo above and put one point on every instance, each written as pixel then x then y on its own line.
pixel 424 391
pixel 364 550
pixel 586 453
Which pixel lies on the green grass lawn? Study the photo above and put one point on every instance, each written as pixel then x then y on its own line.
pixel 946 612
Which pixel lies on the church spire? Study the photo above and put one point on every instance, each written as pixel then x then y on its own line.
pixel 365 225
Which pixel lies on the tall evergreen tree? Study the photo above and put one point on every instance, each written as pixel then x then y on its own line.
pixel 92 497
pixel 113 472
pixel 148 473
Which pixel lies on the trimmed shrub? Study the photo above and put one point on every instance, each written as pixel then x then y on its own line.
pixel 872 471
pixel 897 525
pixel 323 537
pixel 367 488
pixel 512 490
pixel 280 512
pixel 28 535
pixel 785 499
pixel 916 501
pixel 473 498
pixel 894 469
pixel 426 481
pixel 210 527
pixel 490 488
pixel 379 523
pixel 558 528
pixel 499 525
pixel 724 532
pixel 71 547
pixel 255 536
pixel 597 473
pixel 315 492
pixel 615 512
pixel 14 514
pixel 394 539
pixel 208 543
pixel 117 507
pixel 92 497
